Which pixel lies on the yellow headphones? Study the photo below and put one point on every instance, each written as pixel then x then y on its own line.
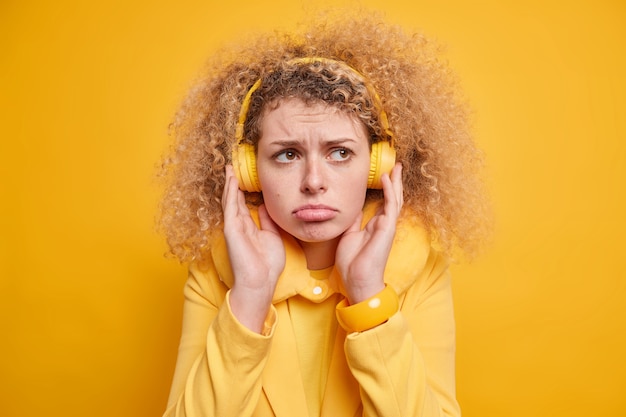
pixel 382 155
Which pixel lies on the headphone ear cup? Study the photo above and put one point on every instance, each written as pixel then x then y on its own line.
pixel 382 159
pixel 244 165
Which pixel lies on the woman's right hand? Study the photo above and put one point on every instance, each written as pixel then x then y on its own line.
pixel 257 256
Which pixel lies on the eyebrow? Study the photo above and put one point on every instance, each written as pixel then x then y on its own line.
pixel 291 143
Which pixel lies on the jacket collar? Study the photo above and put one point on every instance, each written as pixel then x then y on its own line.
pixel 406 260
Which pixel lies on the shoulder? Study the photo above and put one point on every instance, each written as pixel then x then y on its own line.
pixel 413 260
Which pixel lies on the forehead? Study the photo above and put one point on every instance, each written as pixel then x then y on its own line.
pixel 295 114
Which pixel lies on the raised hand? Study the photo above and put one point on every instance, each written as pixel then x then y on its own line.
pixel 257 256
pixel 362 254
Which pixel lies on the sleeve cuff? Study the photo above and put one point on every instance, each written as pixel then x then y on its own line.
pixel 268 324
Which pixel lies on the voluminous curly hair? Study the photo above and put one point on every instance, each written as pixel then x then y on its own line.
pixel 416 89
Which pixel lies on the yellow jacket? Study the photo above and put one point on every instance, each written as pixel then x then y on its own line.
pixel 403 367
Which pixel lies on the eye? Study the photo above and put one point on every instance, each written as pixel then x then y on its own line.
pixel 286 156
pixel 340 154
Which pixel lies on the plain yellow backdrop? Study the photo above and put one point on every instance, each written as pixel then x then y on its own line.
pixel 90 310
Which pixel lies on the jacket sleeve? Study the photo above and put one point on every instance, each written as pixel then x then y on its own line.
pixel 220 362
pixel 405 367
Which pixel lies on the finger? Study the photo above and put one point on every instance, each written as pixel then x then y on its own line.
pixel 227 176
pixel 398 186
pixel 392 190
pixel 390 199
pixel 241 200
pixel 230 194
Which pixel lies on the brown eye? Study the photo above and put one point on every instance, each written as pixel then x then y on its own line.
pixel 340 154
pixel 286 156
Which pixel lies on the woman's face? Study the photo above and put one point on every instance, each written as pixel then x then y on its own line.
pixel 313 162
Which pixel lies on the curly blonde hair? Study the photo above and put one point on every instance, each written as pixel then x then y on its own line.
pixel 418 93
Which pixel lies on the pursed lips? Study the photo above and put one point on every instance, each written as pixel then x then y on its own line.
pixel 314 213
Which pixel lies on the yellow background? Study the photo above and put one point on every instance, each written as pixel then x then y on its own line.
pixel 90 310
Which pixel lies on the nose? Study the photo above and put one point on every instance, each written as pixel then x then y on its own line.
pixel 314 180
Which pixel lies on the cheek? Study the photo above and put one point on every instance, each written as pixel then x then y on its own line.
pixel 273 198
pixel 353 188
pixel 273 184
pixel 355 194
pixel 361 179
pixel 266 179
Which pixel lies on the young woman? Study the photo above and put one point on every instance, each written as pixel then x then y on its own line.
pixel 318 184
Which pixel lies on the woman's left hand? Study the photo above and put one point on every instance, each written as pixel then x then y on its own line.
pixel 362 254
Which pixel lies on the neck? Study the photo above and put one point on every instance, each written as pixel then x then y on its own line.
pixel 319 255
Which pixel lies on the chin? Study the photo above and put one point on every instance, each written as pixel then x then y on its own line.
pixel 318 234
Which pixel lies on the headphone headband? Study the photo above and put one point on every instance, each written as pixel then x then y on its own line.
pixel 382 115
